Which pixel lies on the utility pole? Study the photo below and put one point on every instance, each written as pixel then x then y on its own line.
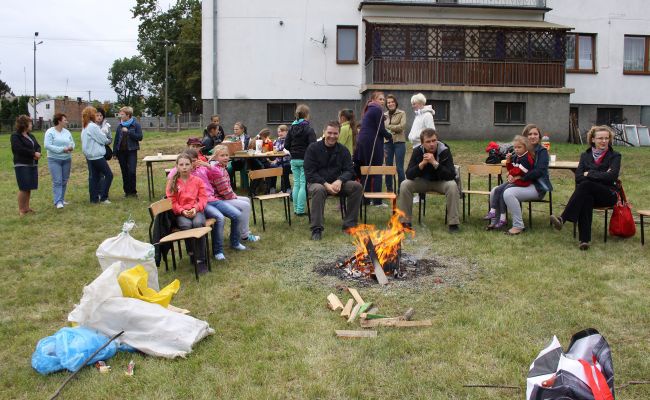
pixel 35 117
pixel 166 85
pixel 89 97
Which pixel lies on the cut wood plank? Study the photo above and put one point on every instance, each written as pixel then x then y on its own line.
pixel 333 302
pixel 355 311
pixel 356 295
pixel 378 269
pixel 347 309
pixel 394 322
pixel 356 334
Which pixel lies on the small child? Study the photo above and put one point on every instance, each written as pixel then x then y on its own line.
pixel 196 144
pixel 284 162
pixel 215 208
pixel 517 164
pixel 223 191
pixel 188 198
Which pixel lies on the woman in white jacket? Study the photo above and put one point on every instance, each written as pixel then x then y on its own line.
pixel 423 118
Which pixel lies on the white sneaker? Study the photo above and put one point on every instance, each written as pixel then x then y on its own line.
pixel 219 256
pixel 65 203
pixel 107 201
pixel 381 205
pixel 59 205
pixel 239 247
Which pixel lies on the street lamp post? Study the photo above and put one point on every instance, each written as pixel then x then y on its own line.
pixel 35 44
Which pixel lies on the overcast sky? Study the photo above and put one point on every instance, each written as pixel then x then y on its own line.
pixel 81 39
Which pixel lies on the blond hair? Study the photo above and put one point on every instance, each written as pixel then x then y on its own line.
pixel 283 128
pixel 599 128
pixel 524 141
pixel 220 148
pixel 418 98
pixel 127 110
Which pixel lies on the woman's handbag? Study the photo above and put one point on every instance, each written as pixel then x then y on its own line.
pixel 622 222
pixel 109 152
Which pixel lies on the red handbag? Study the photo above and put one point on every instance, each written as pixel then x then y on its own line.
pixel 622 222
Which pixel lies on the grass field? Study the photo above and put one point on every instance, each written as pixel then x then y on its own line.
pixel 275 337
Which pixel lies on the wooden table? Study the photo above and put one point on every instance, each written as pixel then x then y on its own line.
pixel 149 160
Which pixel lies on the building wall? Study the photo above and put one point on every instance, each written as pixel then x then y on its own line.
pixel 610 20
pixel 471 114
pixel 252 112
pixel 272 50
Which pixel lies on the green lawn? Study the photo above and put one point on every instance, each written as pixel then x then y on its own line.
pixel 275 337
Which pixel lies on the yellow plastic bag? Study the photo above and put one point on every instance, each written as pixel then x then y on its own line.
pixel 133 283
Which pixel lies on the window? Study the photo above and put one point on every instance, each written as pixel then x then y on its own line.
pixel 441 107
pixel 509 113
pixel 280 112
pixel 636 49
pixel 346 45
pixel 580 52
pixel 47 106
pixel 608 116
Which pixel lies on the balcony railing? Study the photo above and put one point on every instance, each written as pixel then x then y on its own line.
pixel 466 73
pixel 487 3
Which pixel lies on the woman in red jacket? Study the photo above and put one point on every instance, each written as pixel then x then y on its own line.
pixel 188 197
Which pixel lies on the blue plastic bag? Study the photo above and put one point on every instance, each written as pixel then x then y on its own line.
pixel 68 348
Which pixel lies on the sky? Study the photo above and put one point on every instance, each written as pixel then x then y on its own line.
pixel 81 39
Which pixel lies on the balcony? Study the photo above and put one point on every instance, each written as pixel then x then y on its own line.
pixel 528 4
pixel 465 73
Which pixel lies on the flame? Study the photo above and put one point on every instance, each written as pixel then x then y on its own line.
pixel 387 242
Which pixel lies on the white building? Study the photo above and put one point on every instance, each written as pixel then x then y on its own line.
pixel 487 66
pixel 607 59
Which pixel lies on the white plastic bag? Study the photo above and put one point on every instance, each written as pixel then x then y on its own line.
pixel 148 327
pixel 130 252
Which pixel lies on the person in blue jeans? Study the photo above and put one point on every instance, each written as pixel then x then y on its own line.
pixel 395 121
pixel 59 145
pixel 93 145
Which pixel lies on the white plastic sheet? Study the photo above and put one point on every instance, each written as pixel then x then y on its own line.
pixel 130 252
pixel 147 327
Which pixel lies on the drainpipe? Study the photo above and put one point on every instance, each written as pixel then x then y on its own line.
pixel 215 80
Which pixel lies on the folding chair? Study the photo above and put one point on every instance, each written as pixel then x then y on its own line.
pixel 165 205
pixel 262 174
pixel 374 171
pixel 480 170
pixel 530 210
pixel 422 202
pixel 606 213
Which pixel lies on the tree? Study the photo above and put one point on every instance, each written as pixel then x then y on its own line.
pixel 4 88
pixel 128 77
pixel 179 30
pixel 10 110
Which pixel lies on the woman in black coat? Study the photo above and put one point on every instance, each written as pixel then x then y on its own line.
pixel 26 152
pixel 596 178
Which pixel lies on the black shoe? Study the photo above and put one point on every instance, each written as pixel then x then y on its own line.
pixel 316 235
pixel 202 267
pixel 454 228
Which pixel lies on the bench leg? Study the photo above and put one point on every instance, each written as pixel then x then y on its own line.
pixel 262 212
pixel 605 230
pixel 196 263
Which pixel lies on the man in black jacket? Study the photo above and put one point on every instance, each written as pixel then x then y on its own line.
pixel 329 171
pixel 431 169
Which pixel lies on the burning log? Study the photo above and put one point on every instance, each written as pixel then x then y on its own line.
pixel 379 269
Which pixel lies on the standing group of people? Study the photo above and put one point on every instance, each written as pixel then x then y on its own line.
pixel 96 140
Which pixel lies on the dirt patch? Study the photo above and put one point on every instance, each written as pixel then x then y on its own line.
pixel 434 271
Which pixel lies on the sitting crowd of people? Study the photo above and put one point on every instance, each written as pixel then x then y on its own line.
pixel 323 165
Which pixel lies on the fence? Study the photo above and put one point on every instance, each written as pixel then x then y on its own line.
pixel 175 123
